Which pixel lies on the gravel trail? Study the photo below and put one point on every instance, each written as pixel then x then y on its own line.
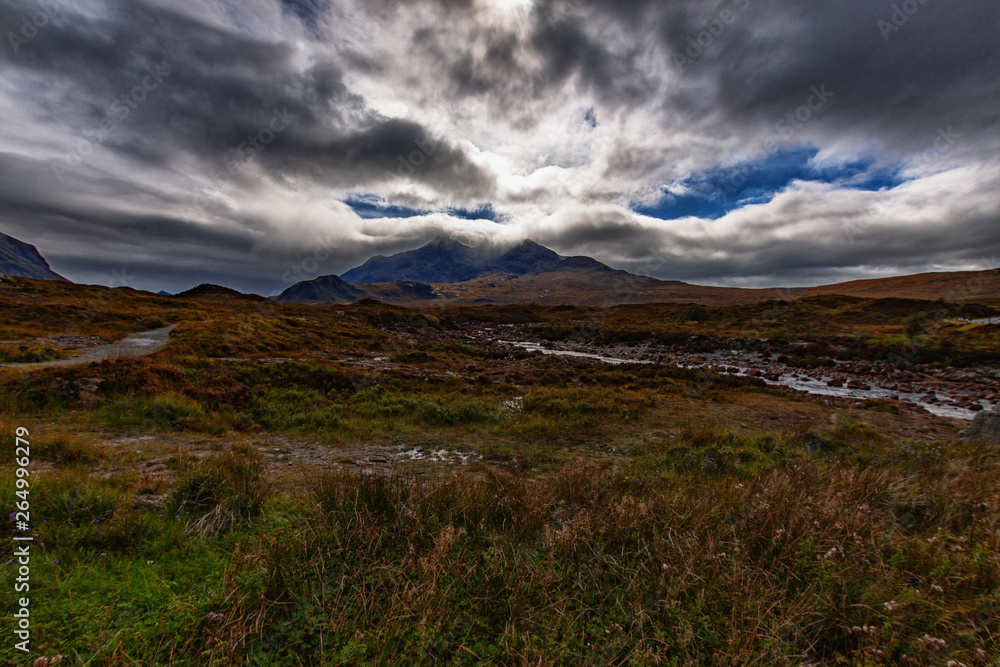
pixel 134 345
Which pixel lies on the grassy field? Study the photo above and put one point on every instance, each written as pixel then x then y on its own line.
pixel 366 485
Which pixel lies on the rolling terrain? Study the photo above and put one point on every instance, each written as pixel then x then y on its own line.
pixel 958 286
pixel 449 273
pixel 363 483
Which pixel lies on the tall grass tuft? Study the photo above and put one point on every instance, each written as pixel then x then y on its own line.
pixel 222 493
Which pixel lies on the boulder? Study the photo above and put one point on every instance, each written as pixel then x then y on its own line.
pixel 984 428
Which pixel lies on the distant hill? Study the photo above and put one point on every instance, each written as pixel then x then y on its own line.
pixel 23 260
pixel 585 282
pixel 449 273
pixel 209 292
pixel 974 286
pixel 527 272
pixel 328 289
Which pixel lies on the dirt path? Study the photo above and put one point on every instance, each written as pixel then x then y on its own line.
pixel 134 345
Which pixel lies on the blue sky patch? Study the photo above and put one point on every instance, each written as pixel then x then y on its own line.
pixel 715 192
pixel 481 212
pixel 370 206
pixel 373 206
pixel 306 10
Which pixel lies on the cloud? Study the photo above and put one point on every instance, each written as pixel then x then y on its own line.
pixel 236 141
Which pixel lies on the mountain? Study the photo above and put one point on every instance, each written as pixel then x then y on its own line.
pixel 21 259
pixel 449 261
pixel 209 292
pixel 445 272
pixel 440 261
pixel 526 257
pixel 585 264
pixel 328 289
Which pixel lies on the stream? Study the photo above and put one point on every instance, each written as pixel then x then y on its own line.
pixel 793 380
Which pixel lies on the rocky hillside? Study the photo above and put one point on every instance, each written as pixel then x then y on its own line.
pixel 18 258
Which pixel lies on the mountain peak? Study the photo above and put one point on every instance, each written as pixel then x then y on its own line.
pixel 325 289
pixel 524 258
pixel 443 260
pixel 443 241
pixel 210 292
pixel 21 259
pixel 447 260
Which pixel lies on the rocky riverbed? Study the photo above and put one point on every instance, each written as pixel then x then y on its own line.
pixel 947 392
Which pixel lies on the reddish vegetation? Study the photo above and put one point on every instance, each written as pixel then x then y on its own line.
pixel 595 287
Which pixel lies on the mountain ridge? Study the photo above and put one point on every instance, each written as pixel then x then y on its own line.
pixel 530 272
pixel 448 261
pixel 20 259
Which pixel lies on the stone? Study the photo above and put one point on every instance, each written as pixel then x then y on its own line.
pixel 985 428
pixel 48 662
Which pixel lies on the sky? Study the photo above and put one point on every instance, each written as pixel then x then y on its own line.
pixel 255 143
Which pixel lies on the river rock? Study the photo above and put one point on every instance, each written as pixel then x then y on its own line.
pixel 984 428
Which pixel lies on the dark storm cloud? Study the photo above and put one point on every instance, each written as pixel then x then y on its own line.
pixel 705 84
pixel 754 258
pixel 518 71
pixel 567 50
pixel 938 69
pixel 219 89
pixel 389 149
pixel 899 70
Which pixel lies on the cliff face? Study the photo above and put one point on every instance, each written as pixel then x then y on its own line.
pixel 21 259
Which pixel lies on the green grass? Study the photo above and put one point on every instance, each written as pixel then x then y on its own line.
pixel 781 555
pixel 619 515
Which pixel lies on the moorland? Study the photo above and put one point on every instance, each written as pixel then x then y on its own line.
pixel 365 483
